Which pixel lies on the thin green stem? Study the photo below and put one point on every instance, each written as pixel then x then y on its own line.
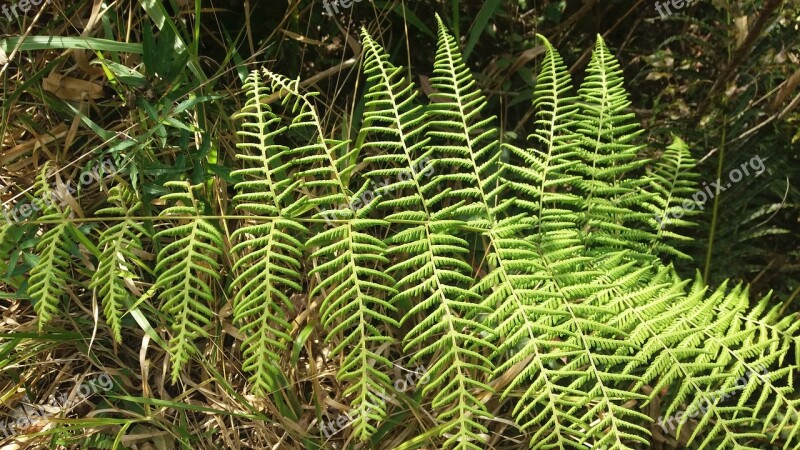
pixel 714 216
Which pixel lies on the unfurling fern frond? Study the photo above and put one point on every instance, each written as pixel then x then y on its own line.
pixel 267 253
pixel 185 267
pixel 348 263
pixel 49 276
pixel 119 245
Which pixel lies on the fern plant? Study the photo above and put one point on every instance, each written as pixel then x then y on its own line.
pixel 531 278
pixel 49 276
pixel 267 253
pixel 186 266
pixel 121 247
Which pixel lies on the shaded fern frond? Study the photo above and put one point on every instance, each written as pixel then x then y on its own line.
pixel 186 265
pixel 5 234
pixel 118 246
pixel 672 180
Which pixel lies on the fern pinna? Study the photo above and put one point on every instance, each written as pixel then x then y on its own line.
pixel 526 277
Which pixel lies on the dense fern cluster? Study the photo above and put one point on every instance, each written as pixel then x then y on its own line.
pixel 528 278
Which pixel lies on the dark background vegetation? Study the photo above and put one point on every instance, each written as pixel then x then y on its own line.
pixel 721 74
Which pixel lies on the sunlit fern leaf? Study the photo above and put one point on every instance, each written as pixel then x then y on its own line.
pixel 564 335
pixel 120 246
pixel 355 303
pixel 579 341
pixel 462 139
pixel 186 265
pixel 715 356
pixel 268 190
pixel 48 280
pixel 268 271
pixel 348 263
pixel 267 253
pixel 394 130
pixel 549 173
pixel 611 210
pixel 323 165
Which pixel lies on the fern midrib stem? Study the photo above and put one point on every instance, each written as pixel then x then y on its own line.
pixel 715 210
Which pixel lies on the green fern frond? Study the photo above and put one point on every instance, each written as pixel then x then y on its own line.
pixel 700 347
pixel 544 175
pixel 611 213
pixel 461 140
pixel 433 279
pixel 268 189
pixel 185 267
pixel 324 165
pixel 6 229
pixel 119 247
pixel 268 271
pixel 267 254
pixel 348 260
pixel 355 293
pixel 47 284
